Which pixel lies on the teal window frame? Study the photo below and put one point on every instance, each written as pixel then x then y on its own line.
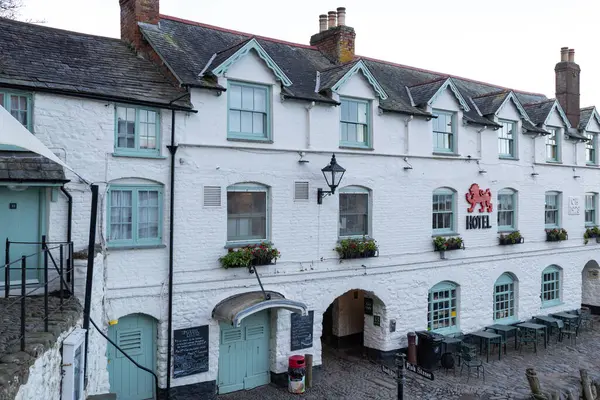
pixel 504 299
pixel 137 150
pixel 249 188
pixel 440 198
pixel 552 207
pixel 507 139
pixel 266 135
pixel 553 145
pixel 442 302
pixel 355 191
pixel 507 210
pixel 5 96
pixel 551 286
pixel 439 135
pixel 347 120
pixel 591 148
pixel 135 216
pixel 591 209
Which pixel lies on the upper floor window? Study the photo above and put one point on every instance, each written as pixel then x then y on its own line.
pixel 506 139
pixel 590 148
pixel 134 215
pixel 247 213
pixel 552 145
pixel 551 286
pixel 354 211
pixel 249 111
pixel 504 298
pixel 552 210
pixel 137 131
pixel 444 126
pixel 507 201
pixel 354 123
pixel 591 201
pixel 443 211
pixel 18 105
pixel 442 312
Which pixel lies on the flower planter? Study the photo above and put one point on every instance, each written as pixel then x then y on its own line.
pixel 250 256
pixel 591 233
pixel 365 254
pixel 357 248
pixel 556 235
pixel 505 241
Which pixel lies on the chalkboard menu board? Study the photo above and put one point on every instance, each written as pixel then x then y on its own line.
pixel 368 306
pixel 302 331
pixel 190 351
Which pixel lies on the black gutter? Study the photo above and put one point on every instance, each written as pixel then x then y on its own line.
pixel 330 102
pixel 54 181
pixel 414 114
pixel 69 226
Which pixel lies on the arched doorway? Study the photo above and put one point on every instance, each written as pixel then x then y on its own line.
pixel 354 321
pixel 590 286
pixel 135 334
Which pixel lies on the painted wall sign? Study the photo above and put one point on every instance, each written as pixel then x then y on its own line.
pixel 477 196
pixel 478 222
pixel 574 206
pixel 12 206
pixel 190 351
pixel 301 331
pixel 376 320
pixel 368 306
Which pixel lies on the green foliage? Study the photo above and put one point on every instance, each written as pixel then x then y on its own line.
pixel 556 235
pixel 258 254
pixel 511 238
pixel 441 243
pixel 592 232
pixel 357 248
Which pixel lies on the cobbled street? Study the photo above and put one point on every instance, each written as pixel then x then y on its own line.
pixel 349 376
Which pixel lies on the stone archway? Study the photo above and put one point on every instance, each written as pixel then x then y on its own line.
pixel 590 286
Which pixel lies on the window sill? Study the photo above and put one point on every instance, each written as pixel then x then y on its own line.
pixel 354 237
pixel 445 234
pixel 240 244
pixel 136 247
pixel 591 164
pixel 138 155
pixel 249 140
pixel 512 158
pixel 506 321
pixel 507 230
pixel 553 162
pixel 552 304
pixel 447 154
pixel 356 148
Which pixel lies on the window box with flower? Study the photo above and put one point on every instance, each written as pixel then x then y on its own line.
pixel 590 233
pixel 251 255
pixel 556 235
pixel 442 244
pixel 511 238
pixel 357 248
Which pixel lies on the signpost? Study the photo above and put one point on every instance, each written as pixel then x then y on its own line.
pixel 401 366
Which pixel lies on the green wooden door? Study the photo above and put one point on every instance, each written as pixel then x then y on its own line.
pixel 20 222
pixel 136 335
pixel 244 354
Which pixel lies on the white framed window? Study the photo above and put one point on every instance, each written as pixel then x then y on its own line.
pixel 504 298
pixel 354 211
pixel 590 148
pixel 552 145
pixel 443 215
pixel 552 210
pixel 442 311
pixel 507 139
pixel 591 205
pixel 247 213
pixel 444 131
pixel 354 123
pixel 507 205
pixel 551 286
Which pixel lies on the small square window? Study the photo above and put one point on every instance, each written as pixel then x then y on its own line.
pixel 137 131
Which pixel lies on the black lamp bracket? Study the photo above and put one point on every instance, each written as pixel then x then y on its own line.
pixel 322 193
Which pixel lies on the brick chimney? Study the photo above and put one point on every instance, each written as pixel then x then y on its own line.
pixel 567 85
pixel 132 12
pixel 337 41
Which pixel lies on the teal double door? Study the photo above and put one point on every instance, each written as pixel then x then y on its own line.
pixel 21 220
pixel 136 335
pixel 244 354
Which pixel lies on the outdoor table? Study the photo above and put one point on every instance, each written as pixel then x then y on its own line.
pixel 550 321
pixel 503 331
pixel 536 328
pixel 489 338
pixel 565 316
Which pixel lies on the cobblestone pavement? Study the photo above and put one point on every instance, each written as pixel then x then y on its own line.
pixel 349 376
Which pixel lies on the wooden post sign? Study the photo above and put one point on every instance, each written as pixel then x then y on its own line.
pixel 477 196
pixel 190 351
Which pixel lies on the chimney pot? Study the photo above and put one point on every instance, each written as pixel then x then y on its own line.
pixel 322 22
pixel 332 19
pixel 571 55
pixel 341 16
pixel 564 54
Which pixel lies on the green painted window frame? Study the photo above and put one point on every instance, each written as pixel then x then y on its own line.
pixel 136 150
pixel 504 299
pixel 507 140
pixel 551 286
pixel 355 191
pixel 5 95
pixel 591 147
pixel 245 188
pixel 442 303
pixel 503 194
pixel 437 133
pixel 437 199
pixel 266 135
pixel 553 143
pixel 552 208
pixel 591 209
pixel 348 121
pixel 135 240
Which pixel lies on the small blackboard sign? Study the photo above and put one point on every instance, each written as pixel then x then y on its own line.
pixel 376 320
pixel 301 331
pixel 190 351
pixel 368 306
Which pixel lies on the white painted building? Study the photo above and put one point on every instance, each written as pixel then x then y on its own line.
pixel 265 118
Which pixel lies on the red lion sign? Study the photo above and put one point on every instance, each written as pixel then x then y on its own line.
pixel 476 195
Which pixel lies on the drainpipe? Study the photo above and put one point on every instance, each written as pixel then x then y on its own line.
pixel 406 142
pixel 69 224
pixel 308 108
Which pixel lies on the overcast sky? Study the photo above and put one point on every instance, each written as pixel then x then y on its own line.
pixel 513 43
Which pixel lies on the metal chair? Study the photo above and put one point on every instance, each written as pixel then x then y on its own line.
pixel 527 336
pixel 587 321
pixel 572 329
pixel 470 361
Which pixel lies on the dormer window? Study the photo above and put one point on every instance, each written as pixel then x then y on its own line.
pixel 590 148
pixel 249 108
pixel 506 139
pixel 444 140
pixel 552 145
pixel 354 122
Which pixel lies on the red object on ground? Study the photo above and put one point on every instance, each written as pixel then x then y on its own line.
pixel 296 362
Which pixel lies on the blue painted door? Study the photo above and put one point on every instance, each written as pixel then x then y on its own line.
pixel 20 222
pixel 136 335
pixel 244 354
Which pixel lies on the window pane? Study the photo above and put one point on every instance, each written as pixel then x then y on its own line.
pixel 235 96
pixel 246 215
pixel 260 100
pixel 235 121
pixel 121 216
pixel 148 214
pixel 247 99
pixel 126 127
pixel 362 113
pixel 246 122
pixel 258 123
pixel 354 214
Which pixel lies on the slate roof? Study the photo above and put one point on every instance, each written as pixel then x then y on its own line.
pixel 585 116
pixel 423 92
pixel 51 59
pixel 490 103
pixel 29 167
pixel 538 112
pixel 331 76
